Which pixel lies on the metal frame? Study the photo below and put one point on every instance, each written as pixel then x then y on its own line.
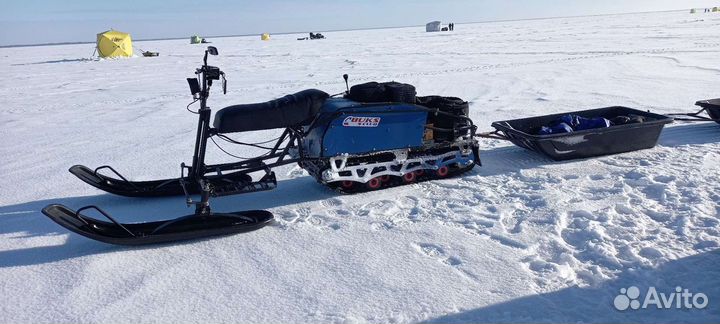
pixel 198 171
pixel 400 166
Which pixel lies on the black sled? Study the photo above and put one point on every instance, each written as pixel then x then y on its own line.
pixel 586 143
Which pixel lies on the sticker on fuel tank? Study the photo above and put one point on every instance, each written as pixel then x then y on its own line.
pixel 353 121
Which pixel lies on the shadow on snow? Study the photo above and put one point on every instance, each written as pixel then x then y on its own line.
pixel 58 61
pixel 26 221
pixel 697 273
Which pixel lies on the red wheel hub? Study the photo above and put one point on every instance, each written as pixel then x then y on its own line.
pixel 442 171
pixel 374 183
pixel 347 184
pixel 409 177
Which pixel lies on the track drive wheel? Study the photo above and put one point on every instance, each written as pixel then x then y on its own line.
pixel 347 184
pixel 442 172
pixel 409 177
pixel 374 183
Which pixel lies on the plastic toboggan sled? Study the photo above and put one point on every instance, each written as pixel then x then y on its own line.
pixel 585 143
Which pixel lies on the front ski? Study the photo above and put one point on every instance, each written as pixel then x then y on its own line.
pixel 157 188
pixel 124 187
pixel 184 228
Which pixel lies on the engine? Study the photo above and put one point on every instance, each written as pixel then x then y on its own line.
pixel 353 145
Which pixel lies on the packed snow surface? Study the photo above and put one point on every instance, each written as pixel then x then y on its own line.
pixel 520 239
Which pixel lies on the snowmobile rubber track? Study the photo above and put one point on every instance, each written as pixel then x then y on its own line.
pixel 428 175
pixel 153 188
pixel 179 229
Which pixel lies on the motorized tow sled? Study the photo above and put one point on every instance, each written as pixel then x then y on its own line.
pixel 376 135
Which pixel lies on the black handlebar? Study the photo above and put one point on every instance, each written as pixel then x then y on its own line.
pixel 208 73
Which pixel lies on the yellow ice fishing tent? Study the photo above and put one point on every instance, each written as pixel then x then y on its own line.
pixel 692 10
pixel 113 43
pixel 265 36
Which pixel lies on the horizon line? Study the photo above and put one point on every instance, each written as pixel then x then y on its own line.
pixel 347 29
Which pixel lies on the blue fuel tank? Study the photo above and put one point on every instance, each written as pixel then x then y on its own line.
pixel 346 126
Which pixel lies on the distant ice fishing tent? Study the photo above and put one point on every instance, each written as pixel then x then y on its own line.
pixel 265 36
pixel 692 11
pixel 433 26
pixel 113 43
pixel 195 39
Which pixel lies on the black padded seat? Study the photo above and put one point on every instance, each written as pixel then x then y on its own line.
pixel 292 110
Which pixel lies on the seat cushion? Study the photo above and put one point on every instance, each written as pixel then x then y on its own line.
pixel 289 111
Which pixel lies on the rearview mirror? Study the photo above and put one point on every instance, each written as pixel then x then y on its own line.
pixel 212 50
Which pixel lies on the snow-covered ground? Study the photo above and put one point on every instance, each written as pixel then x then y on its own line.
pixel 521 239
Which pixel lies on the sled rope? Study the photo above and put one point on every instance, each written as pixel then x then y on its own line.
pixel 694 117
pixel 493 135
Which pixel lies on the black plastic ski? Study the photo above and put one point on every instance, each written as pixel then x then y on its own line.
pixel 179 229
pixel 155 188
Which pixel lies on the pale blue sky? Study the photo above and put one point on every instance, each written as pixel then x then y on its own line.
pixel 51 21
